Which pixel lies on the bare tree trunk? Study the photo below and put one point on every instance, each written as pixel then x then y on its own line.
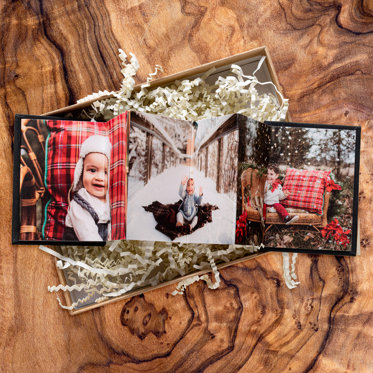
pixel 219 165
pixel 206 161
pixel 163 156
pixel 149 140
pixel 339 155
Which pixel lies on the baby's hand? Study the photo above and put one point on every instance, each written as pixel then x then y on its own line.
pixel 200 191
pixel 184 181
pixel 286 192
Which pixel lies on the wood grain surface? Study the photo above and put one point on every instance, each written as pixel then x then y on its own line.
pixel 55 52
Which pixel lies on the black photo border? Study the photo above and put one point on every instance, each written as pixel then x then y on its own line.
pixel 16 223
pixel 355 204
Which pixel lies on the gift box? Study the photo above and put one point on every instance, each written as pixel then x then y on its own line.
pixel 248 62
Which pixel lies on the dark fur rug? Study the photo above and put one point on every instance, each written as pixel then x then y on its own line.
pixel 165 216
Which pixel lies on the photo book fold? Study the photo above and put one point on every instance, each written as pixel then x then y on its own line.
pixel 228 180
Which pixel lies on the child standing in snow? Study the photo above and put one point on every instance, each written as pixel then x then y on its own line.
pixel 189 208
pixel 88 215
pixel 273 193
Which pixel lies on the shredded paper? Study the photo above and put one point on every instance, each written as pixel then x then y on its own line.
pixel 105 272
pixel 191 99
pixel 289 270
pixel 95 274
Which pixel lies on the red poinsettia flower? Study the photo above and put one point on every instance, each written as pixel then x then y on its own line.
pixel 335 230
pixel 241 227
pixel 331 185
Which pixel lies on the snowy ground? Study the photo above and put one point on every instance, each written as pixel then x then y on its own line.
pixel 164 188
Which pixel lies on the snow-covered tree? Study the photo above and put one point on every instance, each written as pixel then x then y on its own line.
pixel 137 153
pixel 229 164
pixel 156 157
pixel 289 146
pixel 332 147
pixel 253 142
pixel 212 166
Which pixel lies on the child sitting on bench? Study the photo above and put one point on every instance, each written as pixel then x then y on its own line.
pixel 273 194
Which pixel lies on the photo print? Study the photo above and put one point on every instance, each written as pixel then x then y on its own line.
pixel 71 177
pixel 182 181
pixel 299 187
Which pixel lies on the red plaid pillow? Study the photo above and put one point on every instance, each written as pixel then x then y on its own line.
pixel 306 189
pixel 62 154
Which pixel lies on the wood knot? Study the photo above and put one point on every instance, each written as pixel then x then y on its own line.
pixel 13 75
pixel 314 326
pixel 142 318
pixel 361 196
pixel 365 242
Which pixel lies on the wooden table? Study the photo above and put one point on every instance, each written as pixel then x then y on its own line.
pixel 53 53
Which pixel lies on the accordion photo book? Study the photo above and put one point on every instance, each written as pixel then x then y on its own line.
pixel 228 180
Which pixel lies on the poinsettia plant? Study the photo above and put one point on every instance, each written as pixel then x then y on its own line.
pixel 335 230
pixel 241 230
pixel 331 185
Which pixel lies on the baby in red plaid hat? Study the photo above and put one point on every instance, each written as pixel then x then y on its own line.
pixel 88 216
pixel 273 194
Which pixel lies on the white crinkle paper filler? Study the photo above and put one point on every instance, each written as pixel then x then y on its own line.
pixel 191 99
pixel 289 271
pixel 122 266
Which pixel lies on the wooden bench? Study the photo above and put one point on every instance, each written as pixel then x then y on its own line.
pixel 252 188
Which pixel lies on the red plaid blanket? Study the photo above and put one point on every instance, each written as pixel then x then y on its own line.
pixel 306 189
pixel 62 153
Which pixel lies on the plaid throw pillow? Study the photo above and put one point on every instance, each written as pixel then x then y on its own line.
pixel 306 189
pixel 62 154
